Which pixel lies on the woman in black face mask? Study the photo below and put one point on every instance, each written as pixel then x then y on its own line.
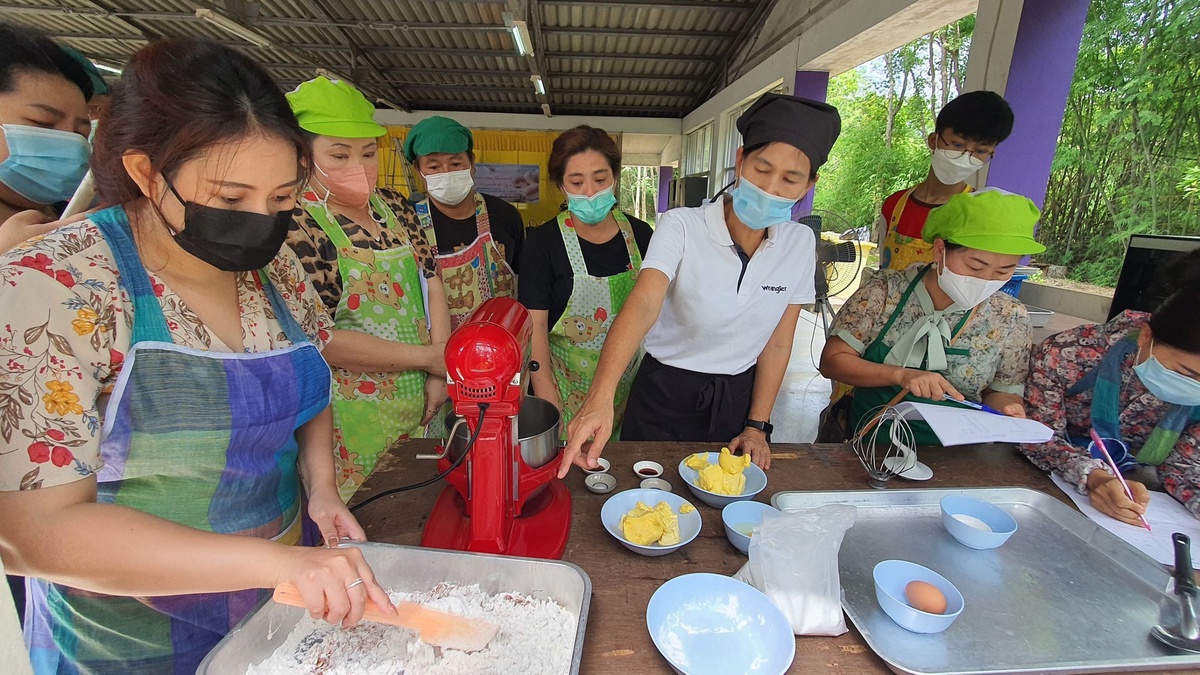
pixel 162 388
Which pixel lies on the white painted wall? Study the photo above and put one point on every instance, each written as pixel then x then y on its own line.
pixel 13 656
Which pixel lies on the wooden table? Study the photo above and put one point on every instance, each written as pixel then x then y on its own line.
pixel 622 582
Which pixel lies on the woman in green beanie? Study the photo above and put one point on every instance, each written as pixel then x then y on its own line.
pixel 940 330
pixel 375 272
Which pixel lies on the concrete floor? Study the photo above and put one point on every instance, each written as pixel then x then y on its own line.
pixel 804 393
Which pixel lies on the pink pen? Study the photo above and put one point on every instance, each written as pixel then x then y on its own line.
pixel 1116 472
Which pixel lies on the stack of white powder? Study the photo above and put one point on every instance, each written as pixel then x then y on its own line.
pixel 536 637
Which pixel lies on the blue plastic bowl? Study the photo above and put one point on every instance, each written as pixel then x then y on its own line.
pixel 891 576
pixel 743 513
pixel 1003 525
pixel 623 502
pixel 709 624
pixel 756 482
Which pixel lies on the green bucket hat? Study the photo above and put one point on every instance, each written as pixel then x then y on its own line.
pixel 988 220
pixel 437 134
pixel 334 108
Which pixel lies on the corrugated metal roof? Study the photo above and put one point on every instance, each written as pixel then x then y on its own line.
pixel 656 58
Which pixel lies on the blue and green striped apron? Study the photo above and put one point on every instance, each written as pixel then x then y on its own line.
pixel 203 439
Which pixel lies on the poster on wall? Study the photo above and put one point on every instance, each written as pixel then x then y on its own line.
pixel 516 183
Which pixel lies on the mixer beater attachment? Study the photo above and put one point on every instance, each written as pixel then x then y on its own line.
pixel 886 456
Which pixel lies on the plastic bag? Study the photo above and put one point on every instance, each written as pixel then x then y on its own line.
pixel 794 561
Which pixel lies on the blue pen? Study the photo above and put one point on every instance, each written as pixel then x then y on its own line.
pixel 972 404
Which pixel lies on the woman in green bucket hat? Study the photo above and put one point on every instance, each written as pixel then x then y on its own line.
pixel 376 274
pixel 941 330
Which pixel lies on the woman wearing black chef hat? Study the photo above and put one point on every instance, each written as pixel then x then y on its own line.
pixel 717 298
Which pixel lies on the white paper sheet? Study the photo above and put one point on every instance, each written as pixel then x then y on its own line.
pixel 1165 515
pixel 960 426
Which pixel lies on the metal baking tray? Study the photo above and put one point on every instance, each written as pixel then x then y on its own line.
pixel 415 569
pixel 1062 595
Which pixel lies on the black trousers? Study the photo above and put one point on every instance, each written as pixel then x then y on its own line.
pixel 17 586
pixel 673 404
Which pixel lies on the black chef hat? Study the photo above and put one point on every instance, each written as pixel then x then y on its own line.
pixel 811 126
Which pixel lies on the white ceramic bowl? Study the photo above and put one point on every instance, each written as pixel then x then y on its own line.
pixel 600 483
pixel 739 515
pixel 656 484
pixel 623 502
pixel 756 482
pixel 605 465
pixel 647 469
pixel 709 624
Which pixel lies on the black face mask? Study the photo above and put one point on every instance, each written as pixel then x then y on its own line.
pixel 234 241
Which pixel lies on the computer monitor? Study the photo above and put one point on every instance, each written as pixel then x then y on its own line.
pixel 1138 287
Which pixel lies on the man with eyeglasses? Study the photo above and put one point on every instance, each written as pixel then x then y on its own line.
pixel 965 137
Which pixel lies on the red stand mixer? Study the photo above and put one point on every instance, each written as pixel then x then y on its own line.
pixel 504 497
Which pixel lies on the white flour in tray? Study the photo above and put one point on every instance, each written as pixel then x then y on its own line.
pixel 536 637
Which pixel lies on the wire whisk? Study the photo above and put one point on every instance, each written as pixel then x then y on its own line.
pixel 890 455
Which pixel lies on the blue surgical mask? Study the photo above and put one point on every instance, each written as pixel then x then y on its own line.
pixel 594 209
pixel 1167 384
pixel 759 209
pixel 44 166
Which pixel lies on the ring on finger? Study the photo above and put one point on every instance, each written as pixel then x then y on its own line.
pixel 356 582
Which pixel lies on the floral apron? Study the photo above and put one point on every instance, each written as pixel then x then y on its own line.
pixel 868 400
pixel 470 276
pixel 203 439
pixel 381 296
pixel 901 251
pixel 577 337
pixel 474 274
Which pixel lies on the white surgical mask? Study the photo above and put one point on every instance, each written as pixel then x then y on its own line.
pixel 450 188
pixel 965 291
pixel 952 171
pixel 1167 384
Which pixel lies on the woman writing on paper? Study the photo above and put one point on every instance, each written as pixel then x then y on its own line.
pixel 1136 381
pixel 942 328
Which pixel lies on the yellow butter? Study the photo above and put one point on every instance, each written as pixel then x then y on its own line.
pixel 727 476
pixel 646 526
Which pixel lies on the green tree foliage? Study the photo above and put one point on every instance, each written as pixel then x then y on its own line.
pixel 888 107
pixel 1127 161
pixel 638 194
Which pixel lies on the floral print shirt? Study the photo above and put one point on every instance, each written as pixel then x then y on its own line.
pixel 997 337
pixel 1060 362
pixel 319 256
pixel 65 328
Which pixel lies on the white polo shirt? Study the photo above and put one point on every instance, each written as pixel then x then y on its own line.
pixel 707 324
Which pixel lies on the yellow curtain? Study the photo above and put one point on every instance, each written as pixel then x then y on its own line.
pixel 492 146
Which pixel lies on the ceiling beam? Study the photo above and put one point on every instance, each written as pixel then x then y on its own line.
pixel 645 32
pixel 752 24
pixel 392 97
pixel 564 92
pixel 609 56
pixel 653 4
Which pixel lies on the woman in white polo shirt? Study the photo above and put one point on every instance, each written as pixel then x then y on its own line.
pixel 717 299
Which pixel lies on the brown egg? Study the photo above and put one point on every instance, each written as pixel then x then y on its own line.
pixel 925 597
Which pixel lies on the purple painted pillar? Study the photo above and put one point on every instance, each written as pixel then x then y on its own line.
pixel 665 174
pixel 812 84
pixel 1039 81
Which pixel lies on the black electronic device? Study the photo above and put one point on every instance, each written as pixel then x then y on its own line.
pixel 1146 258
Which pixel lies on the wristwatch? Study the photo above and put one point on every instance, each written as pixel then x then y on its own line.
pixel 765 427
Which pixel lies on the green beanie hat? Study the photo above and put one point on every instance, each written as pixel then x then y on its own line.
pixel 990 220
pixel 334 108
pixel 437 134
